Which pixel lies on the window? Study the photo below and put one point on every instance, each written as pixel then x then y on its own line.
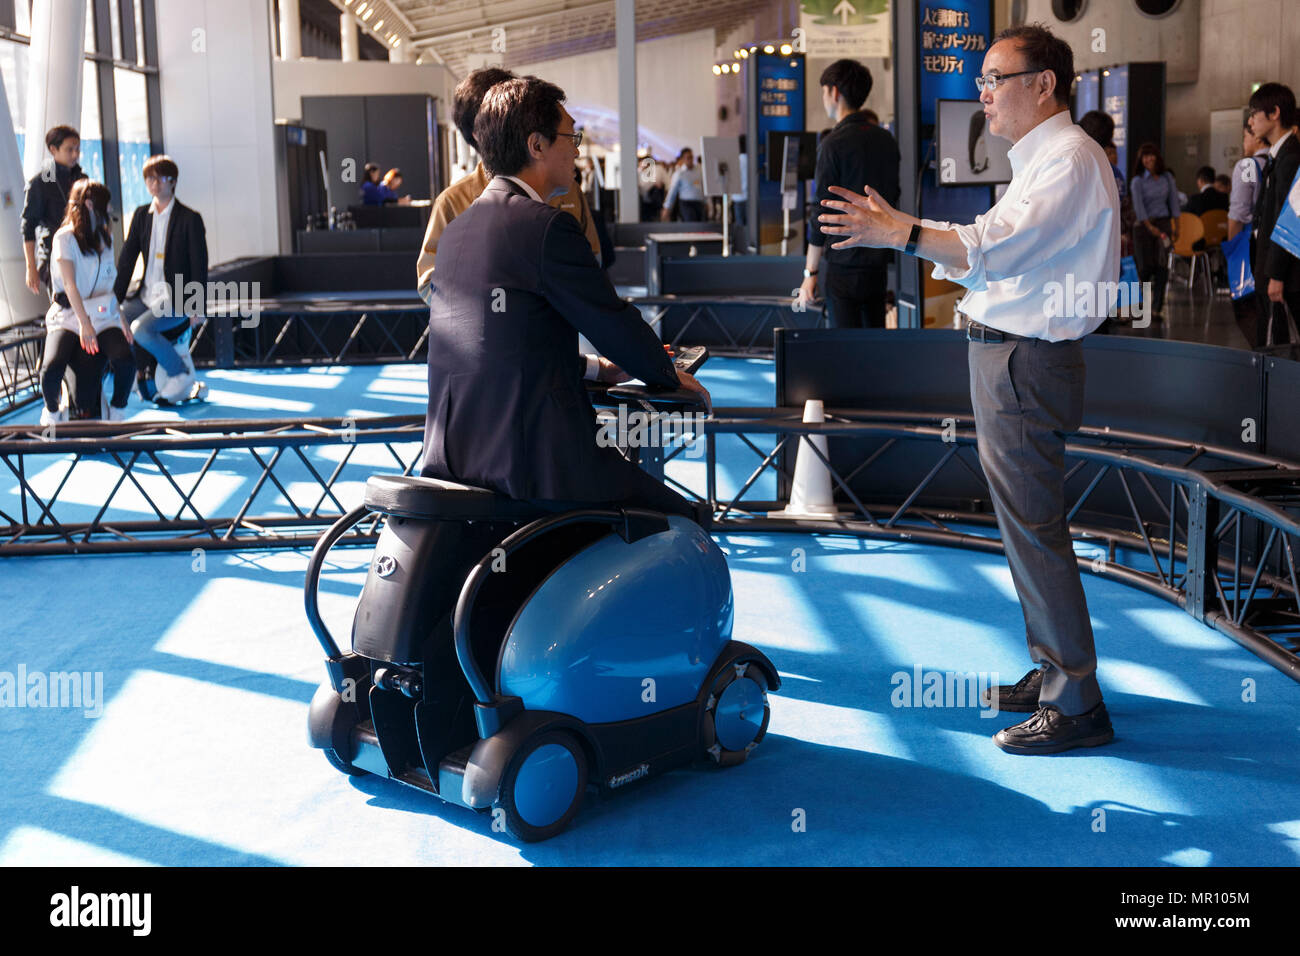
pixel 132 139
pixel 92 145
pixel 13 70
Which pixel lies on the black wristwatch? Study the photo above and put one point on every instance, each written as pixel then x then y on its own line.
pixel 809 273
pixel 913 238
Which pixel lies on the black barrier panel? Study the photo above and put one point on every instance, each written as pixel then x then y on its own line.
pixel 917 369
pixel 1281 434
pixel 252 269
pixel 725 324
pixel 338 240
pixel 1178 389
pixel 1171 389
pixel 731 275
pixel 346 272
pixel 628 267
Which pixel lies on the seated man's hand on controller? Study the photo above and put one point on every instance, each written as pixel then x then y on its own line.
pixel 691 383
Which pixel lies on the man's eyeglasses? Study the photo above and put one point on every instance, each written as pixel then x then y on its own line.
pixel 576 137
pixel 993 80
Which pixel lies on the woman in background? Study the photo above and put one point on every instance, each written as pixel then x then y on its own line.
pixel 84 314
pixel 1155 206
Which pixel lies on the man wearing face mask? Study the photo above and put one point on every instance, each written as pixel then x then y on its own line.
pixel 856 154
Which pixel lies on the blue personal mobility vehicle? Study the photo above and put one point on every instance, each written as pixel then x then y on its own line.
pixel 504 657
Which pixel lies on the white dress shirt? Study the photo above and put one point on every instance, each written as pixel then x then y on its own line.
pixel 532 193
pixel 1044 261
pixel 154 272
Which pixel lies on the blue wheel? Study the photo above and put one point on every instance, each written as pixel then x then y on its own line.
pixel 735 714
pixel 543 786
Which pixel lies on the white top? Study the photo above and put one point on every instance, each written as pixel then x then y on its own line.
pixel 154 274
pixel 1044 261
pixel 1273 150
pixel 532 193
pixel 95 273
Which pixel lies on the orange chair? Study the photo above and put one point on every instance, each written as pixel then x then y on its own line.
pixel 1190 230
pixel 1215 222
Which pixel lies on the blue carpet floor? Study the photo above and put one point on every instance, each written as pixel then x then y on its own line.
pixel 198 755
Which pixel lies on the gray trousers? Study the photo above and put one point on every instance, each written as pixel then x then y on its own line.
pixel 1027 395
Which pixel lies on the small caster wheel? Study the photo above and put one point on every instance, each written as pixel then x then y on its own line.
pixel 543 787
pixel 735 715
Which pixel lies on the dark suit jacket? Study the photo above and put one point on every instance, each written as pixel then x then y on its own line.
pixel 508 409
pixel 1206 200
pixel 1271 260
pixel 853 154
pixel 185 252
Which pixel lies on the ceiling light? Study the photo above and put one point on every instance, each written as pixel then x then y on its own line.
pixel 768 48
pixel 717 70
pixel 379 24
pixel 786 49
pixel 744 52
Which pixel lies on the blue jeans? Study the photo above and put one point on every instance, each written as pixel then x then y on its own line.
pixel 148 330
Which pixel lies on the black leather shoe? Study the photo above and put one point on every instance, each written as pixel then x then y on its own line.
pixel 1020 697
pixel 1049 732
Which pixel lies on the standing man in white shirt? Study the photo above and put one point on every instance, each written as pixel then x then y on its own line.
pixel 171 238
pixel 1041 269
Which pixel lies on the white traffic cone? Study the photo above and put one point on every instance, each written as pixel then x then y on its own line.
pixel 811 496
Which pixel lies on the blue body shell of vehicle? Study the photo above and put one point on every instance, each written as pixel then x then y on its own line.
pixel 621 630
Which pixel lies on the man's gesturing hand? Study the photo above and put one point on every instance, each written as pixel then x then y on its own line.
pixel 866 220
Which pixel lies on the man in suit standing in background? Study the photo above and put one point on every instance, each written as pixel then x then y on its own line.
pixel 517 282
pixel 856 154
pixel 1277 272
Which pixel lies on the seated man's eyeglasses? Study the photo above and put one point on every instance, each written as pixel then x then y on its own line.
pixel 993 80
pixel 576 137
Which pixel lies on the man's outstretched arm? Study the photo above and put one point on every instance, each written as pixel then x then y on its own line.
pixel 867 220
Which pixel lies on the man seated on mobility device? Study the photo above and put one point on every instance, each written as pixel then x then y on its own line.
pixel 539 614
pixel 516 283
pixel 171 238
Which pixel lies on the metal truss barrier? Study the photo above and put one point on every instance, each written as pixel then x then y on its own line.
pixel 21 348
pixel 177 486
pixel 1218 542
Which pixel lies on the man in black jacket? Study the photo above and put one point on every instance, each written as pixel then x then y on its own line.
pixel 508 409
pixel 46 200
pixel 171 238
pixel 855 154
pixel 1277 272
pixel 1207 196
